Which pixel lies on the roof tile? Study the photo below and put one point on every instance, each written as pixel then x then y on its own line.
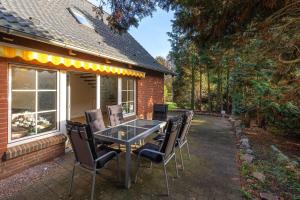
pixel 52 20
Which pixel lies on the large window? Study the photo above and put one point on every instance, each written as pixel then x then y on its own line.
pixel 33 102
pixel 128 95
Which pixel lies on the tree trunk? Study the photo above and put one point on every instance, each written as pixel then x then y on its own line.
pixel 208 90
pixel 219 87
pixel 200 92
pixel 193 88
pixel 227 91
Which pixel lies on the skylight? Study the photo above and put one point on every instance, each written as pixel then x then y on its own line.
pixel 81 18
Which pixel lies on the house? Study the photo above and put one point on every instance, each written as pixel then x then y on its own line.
pixel 57 60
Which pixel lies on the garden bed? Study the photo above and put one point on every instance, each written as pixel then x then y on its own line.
pixel 275 171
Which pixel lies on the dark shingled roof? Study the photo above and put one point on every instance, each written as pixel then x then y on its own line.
pixel 51 20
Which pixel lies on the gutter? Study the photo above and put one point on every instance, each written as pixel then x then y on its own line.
pixel 64 45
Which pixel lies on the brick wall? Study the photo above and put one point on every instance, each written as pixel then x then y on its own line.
pixel 13 159
pixel 150 90
pixel 3 106
pixel 18 164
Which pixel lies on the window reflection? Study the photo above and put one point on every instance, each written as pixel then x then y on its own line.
pixel 128 95
pixel 34 102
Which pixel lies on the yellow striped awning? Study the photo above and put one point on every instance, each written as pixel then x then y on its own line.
pixel 29 55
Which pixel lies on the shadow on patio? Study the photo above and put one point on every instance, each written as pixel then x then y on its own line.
pixel 211 173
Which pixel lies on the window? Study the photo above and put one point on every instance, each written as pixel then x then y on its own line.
pixel 33 102
pixel 128 95
pixel 81 18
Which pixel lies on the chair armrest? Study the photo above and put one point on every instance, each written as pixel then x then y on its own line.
pixel 152 151
pixel 105 155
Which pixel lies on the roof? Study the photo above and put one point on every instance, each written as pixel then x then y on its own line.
pixel 51 20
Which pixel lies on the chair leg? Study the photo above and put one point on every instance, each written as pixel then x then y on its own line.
pixel 93 184
pixel 188 149
pixel 180 151
pixel 176 165
pixel 137 170
pixel 166 176
pixel 72 178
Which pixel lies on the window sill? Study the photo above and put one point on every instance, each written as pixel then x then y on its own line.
pixel 20 150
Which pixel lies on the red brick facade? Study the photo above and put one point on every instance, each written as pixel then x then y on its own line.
pixel 3 106
pixel 15 159
pixel 150 90
pixel 20 163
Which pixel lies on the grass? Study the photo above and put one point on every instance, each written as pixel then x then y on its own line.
pixel 172 105
pixel 245 169
pixel 246 194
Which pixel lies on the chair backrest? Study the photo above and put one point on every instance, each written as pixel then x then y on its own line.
pixel 115 115
pixel 186 123
pixel 94 119
pixel 172 130
pixel 160 112
pixel 82 144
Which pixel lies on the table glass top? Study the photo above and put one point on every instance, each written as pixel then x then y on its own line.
pixel 129 130
pixel 147 124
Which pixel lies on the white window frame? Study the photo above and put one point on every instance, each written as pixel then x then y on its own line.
pixel 40 135
pixel 120 96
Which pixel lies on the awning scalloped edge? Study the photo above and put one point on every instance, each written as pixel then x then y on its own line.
pixel 29 55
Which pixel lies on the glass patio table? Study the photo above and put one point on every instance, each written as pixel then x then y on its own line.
pixel 129 133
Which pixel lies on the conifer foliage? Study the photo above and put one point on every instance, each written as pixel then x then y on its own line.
pixel 241 56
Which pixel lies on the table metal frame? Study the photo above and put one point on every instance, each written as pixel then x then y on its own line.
pixel 128 144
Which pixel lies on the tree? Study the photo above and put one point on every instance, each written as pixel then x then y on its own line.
pixel 249 47
pixel 168 79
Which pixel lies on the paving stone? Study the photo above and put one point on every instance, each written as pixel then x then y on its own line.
pixel 212 172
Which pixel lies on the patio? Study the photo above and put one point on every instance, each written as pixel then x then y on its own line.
pixel 211 174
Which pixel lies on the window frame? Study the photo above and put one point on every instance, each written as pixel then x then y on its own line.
pixel 120 91
pixel 26 139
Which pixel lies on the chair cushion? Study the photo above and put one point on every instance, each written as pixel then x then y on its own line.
pixel 159 137
pixel 160 112
pixel 95 121
pixel 98 141
pixel 102 150
pixel 150 155
pixel 115 114
pixel 104 147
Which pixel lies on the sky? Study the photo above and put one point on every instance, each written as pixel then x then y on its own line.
pixel 152 32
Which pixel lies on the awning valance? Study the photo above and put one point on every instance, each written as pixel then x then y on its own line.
pixel 30 55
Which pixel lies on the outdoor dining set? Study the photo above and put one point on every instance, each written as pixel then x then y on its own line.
pixel 95 145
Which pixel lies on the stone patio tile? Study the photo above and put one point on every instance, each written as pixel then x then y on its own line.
pixel 211 173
